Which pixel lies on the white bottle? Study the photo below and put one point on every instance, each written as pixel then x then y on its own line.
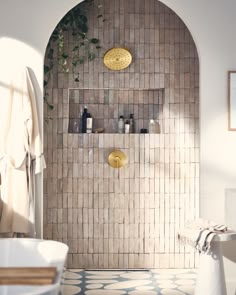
pixel 127 127
pixel 89 124
pixel 121 125
pixel 152 126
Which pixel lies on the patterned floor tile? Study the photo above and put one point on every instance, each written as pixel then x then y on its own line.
pixel 129 282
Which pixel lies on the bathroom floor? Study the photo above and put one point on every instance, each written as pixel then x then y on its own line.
pixel 130 282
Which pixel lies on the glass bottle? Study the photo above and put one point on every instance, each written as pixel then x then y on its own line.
pixel 152 126
pixel 84 120
pixel 80 120
pixel 121 125
pixel 157 127
pixel 131 123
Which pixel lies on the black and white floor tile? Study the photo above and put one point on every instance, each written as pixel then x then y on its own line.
pixel 129 282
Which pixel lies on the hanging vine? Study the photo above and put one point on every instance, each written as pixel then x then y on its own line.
pixel 85 48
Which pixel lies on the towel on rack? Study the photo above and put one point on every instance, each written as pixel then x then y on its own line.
pixel 21 155
pixel 200 233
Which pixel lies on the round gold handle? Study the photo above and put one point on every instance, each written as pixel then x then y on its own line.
pixel 117 159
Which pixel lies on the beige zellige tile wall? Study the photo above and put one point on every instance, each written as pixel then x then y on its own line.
pixel 127 218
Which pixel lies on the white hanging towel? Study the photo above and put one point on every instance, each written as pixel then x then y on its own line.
pixel 21 154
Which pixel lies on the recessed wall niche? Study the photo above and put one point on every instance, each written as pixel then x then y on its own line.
pixel 106 105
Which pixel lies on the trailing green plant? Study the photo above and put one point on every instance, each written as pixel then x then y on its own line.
pixel 85 48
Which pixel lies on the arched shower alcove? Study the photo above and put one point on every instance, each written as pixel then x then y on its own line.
pixel 127 219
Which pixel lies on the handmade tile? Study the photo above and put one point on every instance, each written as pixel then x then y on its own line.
pixel 165 56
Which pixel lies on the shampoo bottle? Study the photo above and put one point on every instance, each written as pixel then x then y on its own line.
pixel 89 123
pixel 127 126
pixel 84 120
pixel 121 125
pixel 131 123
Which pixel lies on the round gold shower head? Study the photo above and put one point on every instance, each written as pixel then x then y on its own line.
pixel 117 159
pixel 117 58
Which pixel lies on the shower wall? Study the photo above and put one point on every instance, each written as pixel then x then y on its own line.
pixel 127 218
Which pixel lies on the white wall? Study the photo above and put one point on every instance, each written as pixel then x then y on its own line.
pixel 29 23
pixel 25 27
pixel 212 24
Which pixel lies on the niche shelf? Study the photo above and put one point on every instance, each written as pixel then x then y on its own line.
pixel 106 105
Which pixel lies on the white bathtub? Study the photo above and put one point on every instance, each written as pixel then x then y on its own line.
pixel 32 253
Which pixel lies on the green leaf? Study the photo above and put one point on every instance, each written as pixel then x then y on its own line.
pixel 75 48
pixel 83 18
pixel 94 40
pixel 89 2
pixel 82 35
pixel 55 35
pixel 84 28
pixel 45 83
pixel 81 60
pixel 91 56
pixel 46 69
pixel 67 22
pixel 50 106
pixel 50 54
pixel 76 11
pixel 76 78
pixel 74 63
pixel 64 55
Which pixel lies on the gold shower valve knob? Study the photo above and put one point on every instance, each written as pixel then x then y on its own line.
pixel 117 159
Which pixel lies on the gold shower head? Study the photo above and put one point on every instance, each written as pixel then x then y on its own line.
pixel 117 58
